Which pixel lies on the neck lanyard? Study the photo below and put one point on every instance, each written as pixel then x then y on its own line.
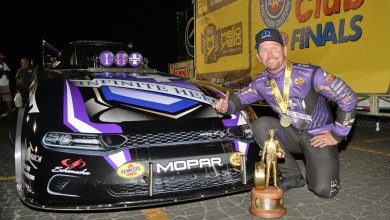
pixel 283 102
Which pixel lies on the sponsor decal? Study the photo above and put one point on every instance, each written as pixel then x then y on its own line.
pixel 212 134
pixel 181 165
pixel 220 42
pixel 329 77
pixel 334 188
pixel 299 81
pixel 71 167
pixel 130 170
pixel 149 100
pixel 235 159
pixel 182 69
pixel 32 157
pixel 274 13
pixel 152 87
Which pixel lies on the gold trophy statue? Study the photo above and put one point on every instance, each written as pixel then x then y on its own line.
pixel 267 201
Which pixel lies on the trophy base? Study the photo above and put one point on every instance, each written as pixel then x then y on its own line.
pixel 267 202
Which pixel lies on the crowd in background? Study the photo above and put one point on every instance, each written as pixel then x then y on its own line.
pixel 14 83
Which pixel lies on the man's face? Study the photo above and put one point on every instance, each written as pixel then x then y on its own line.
pixel 272 55
pixel 24 62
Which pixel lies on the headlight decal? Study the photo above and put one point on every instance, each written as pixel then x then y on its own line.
pixel 241 146
pixel 118 159
pixel 75 114
pixel 61 140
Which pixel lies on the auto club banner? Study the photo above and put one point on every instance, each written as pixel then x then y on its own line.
pixel 348 38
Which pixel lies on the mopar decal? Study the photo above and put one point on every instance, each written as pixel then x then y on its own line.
pixel 130 170
pixel 181 165
pixel 235 159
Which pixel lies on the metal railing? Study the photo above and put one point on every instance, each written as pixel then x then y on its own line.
pixel 374 104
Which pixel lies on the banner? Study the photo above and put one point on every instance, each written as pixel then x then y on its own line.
pixel 222 40
pixel 348 38
pixel 182 69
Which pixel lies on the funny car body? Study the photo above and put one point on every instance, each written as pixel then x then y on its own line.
pixel 102 131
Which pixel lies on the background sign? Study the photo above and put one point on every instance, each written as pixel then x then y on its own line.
pixel 182 69
pixel 348 38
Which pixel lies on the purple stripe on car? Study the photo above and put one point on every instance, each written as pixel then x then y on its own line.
pixel 231 122
pixel 244 146
pixel 81 122
pixel 120 157
pixel 127 155
pixel 109 160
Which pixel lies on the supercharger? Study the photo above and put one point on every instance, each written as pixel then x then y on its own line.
pixel 181 165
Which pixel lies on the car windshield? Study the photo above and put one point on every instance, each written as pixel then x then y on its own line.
pixel 85 54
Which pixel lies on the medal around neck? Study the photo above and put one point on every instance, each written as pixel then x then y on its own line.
pixel 285 121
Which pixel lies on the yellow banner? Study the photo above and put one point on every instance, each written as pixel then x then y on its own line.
pixel 222 39
pixel 348 38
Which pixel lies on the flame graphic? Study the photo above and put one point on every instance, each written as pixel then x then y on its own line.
pixel 78 163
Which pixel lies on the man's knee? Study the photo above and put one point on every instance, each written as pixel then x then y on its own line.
pixel 326 190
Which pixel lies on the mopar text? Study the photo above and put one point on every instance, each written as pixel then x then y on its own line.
pixel 189 164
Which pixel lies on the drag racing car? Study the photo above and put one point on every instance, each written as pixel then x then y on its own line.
pixel 103 131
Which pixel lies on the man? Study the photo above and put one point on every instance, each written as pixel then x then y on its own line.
pixel 298 93
pixel 5 94
pixel 23 79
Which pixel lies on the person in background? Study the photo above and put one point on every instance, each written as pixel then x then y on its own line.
pixel 5 94
pixel 23 79
pixel 299 94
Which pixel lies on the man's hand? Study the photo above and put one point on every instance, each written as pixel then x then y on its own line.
pixel 323 139
pixel 223 104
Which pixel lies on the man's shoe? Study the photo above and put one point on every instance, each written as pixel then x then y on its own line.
pixel 290 182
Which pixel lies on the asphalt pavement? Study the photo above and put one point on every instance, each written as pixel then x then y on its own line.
pixel 364 193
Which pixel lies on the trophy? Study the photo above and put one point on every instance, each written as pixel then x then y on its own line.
pixel 267 201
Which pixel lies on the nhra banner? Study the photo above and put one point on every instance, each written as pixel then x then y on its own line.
pixel 347 38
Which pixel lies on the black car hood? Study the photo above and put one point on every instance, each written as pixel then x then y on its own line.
pixel 108 102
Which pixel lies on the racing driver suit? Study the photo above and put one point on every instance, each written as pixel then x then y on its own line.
pixel 310 89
